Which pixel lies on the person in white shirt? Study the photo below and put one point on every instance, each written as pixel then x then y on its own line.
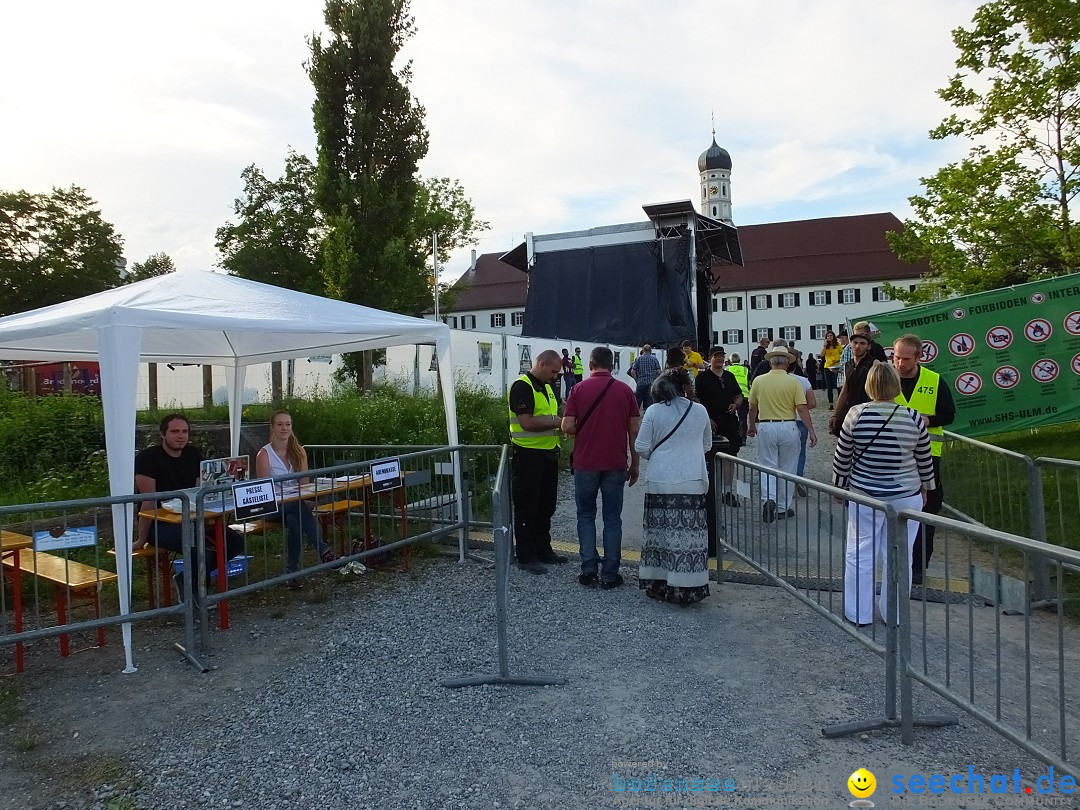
pixel 282 455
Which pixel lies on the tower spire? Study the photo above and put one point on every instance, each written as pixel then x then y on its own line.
pixel 712 115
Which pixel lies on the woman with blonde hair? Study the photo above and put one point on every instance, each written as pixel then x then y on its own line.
pixel 883 451
pixel 282 455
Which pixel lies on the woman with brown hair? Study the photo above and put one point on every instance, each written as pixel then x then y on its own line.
pixel 282 455
pixel 830 363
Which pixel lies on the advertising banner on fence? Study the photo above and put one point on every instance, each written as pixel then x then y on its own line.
pixel 1011 356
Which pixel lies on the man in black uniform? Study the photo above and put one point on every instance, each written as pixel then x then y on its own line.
pixel 719 391
pixel 854 391
pixel 172 465
pixel 534 432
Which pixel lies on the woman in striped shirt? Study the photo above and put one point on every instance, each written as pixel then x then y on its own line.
pixel 883 452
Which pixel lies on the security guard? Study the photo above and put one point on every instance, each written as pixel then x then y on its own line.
pixel 534 432
pixel 924 391
pixel 579 366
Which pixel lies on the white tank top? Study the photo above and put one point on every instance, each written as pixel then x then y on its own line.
pixel 277 466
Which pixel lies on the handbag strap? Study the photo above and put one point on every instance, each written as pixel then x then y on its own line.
pixel 686 413
pixel 592 407
pixel 855 459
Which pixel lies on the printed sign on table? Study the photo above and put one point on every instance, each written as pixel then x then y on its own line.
pixel 1031 333
pixel 386 475
pixel 57 538
pixel 254 499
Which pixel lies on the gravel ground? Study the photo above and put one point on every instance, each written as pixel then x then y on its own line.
pixel 333 700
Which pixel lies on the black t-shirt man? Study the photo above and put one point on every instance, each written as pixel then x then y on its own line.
pixel 170 472
pixel 717 392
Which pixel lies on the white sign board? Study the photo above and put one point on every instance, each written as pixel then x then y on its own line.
pixel 386 475
pixel 52 539
pixel 254 498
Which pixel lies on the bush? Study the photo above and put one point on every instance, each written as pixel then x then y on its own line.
pixel 48 434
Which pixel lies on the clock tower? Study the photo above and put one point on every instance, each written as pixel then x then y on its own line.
pixel 714 169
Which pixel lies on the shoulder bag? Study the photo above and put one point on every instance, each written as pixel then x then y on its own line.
pixel 678 424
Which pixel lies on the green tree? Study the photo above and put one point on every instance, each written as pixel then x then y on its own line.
pixel 371 136
pixel 1003 215
pixel 276 238
pixel 54 247
pixel 445 210
pixel 156 264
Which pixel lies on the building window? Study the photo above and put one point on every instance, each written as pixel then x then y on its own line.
pixel 733 303
pixel 762 333
pixel 714 210
pixel 820 298
pixel 761 302
pixel 453 321
pixel 848 295
pixel 468 321
pixel 715 338
pixel 498 320
pixel 791 332
pixel 788 300
pixel 517 319
pixel 714 304
pixel 913 287
pixel 723 190
pixel 881 294
pixel 733 336
pixel 818 330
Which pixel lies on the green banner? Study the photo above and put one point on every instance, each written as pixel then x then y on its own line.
pixel 1011 356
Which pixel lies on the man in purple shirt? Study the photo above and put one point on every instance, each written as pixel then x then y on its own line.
pixel 602 415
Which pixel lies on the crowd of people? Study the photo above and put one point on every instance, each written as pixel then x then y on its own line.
pixel 887 417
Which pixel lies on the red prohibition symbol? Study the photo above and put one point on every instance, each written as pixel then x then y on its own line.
pixel 962 344
pixel 1045 370
pixel 969 383
pixel 1007 377
pixel 1038 330
pixel 1000 337
pixel 1072 323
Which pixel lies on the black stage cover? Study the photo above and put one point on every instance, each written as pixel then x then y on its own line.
pixel 626 294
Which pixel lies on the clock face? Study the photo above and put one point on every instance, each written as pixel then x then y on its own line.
pixel 713 190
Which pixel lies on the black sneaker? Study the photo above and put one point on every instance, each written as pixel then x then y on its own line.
pixel 768 512
pixel 730 499
pixel 607 585
pixel 801 490
pixel 294 584
pixel 532 568
pixel 588 580
pixel 553 559
pixel 790 513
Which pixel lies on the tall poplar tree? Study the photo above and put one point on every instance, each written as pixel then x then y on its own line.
pixel 1004 215
pixel 371 135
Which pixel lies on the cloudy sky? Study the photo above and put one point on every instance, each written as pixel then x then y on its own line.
pixel 554 114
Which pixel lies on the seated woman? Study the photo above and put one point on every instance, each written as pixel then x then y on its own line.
pixel 283 455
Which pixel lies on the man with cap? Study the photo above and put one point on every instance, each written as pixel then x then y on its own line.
pixel 924 391
pixel 871 331
pixel 719 391
pixel 854 391
pixel 777 399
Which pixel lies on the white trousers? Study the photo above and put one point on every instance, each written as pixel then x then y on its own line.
pixel 867 548
pixel 778 447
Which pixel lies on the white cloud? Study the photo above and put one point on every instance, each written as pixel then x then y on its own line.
pixel 554 116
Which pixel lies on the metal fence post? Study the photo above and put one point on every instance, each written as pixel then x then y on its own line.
pixel 1037 501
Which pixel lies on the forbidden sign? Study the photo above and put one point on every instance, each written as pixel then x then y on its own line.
pixel 1045 370
pixel 998 338
pixel 962 344
pixel 1072 323
pixel 969 383
pixel 1038 330
pixel 1037 298
pixel 929 352
pixel 525 362
pixel 1006 377
pixel 1076 364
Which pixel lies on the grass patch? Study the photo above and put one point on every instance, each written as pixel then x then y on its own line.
pixel 10 710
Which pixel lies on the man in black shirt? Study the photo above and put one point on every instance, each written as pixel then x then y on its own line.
pixel 172 465
pixel 719 391
pixel 854 391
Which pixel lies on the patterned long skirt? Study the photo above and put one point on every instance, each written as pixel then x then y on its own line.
pixel 674 556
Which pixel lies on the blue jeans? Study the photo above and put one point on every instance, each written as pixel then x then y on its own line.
pixel 299 520
pixel 610 484
pixel 804 434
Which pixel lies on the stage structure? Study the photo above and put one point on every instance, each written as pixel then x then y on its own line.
pixel 643 282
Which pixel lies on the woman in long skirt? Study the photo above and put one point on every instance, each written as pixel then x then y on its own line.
pixel 675 435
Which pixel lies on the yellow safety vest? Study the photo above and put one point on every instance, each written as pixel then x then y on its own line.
pixel 544 404
pixel 924 400
pixel 741 374
pixel 579 369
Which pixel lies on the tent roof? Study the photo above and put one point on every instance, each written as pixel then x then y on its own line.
pixel 198 316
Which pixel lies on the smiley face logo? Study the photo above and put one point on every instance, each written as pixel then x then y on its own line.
pixel 862 784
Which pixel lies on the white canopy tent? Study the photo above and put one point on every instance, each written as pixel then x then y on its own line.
pixel 200 317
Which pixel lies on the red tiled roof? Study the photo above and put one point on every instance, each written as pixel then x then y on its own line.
pixel 491 285
pixel 813 251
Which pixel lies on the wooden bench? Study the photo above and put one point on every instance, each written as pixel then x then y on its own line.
pixel 158 570
pixel 67 576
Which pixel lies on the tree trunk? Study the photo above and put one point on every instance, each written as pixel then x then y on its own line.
pixel 275 382
pixel 207 386
pixel 151 388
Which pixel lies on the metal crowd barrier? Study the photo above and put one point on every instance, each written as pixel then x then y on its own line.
pixel 67 563
pixel 1013 673
pixel 1061 493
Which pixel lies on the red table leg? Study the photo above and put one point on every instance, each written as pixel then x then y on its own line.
pixel 219 540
